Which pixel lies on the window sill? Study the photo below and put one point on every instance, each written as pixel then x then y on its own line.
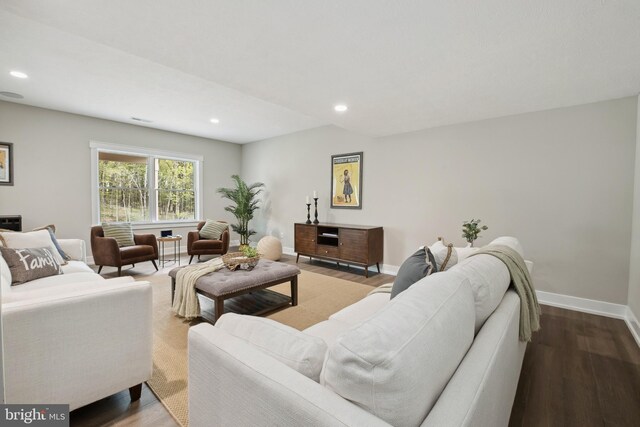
pixel 167 224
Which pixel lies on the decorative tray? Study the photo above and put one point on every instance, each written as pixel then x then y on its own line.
pixel 238 260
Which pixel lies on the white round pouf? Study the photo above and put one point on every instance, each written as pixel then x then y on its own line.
pixel 270 248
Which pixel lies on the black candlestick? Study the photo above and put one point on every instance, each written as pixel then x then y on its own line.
pixel 315 221
pixel 308 213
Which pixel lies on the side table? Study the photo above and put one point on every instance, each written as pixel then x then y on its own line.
pixel 176 249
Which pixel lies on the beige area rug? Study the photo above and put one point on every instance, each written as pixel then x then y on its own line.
pixel 319 297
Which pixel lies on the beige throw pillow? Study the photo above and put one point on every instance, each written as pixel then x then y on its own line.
pixel 32 239
pixel 213 229
pixel 445 255
pixel 121 231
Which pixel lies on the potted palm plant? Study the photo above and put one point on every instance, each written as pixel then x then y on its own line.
pixel 244 205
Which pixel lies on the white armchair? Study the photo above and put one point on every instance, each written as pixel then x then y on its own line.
pixel 77 339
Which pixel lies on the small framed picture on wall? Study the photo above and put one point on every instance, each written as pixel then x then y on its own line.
pixel 346 181
pixel 6 163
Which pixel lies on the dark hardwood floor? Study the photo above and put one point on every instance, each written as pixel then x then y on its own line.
pixel 579 370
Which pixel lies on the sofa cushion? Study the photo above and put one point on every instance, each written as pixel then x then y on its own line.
pixel 396 364
pixel 362 310
pixel 41 289
pixel 512 242
pixel 465 252
pixel 328 330
pixel 121 231
pixel 31 239
pixel 213 229
pixel 5 276
pixel 489 280
pixel 30 264
pixel 299 351
pixel 76 267
pixel 419 265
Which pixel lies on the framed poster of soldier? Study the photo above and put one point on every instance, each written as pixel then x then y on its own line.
pixel 6 163
pixel 346 181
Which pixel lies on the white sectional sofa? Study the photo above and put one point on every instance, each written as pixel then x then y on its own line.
pixel 75 338
pixel 445 352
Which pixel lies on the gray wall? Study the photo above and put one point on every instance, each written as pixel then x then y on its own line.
pixel 634 270
pixel 560 180
pixel 53 161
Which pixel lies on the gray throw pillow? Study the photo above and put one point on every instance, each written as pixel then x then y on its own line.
pixel 30 264
pixel 417 266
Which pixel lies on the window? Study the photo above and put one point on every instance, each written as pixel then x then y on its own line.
pixel 142 186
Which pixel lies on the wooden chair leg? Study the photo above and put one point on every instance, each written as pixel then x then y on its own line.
pixel 154 264
pixel 119 271
pixel 99 269
pixel 135 392
pixel 190 259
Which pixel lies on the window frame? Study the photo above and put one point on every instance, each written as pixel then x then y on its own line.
pixel 151 155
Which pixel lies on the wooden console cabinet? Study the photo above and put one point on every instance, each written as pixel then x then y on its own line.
pixel 351 244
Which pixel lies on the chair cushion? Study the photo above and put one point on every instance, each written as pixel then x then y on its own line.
pixel 121 231
pixel 136 251
pixel 396 364
pixel 207 244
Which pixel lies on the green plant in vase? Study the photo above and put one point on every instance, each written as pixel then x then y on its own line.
pixel 249 252
pixel 471 230
pixel 245 203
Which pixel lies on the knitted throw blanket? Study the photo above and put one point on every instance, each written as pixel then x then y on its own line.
pixel 185 302
pixel 522 284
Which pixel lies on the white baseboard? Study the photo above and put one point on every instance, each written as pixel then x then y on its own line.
pixel 601 308
pixel 584 305
pixel 384 268
pixel 633 324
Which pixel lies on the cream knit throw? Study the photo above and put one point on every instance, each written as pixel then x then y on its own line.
pixel 522 284
pixel 185 302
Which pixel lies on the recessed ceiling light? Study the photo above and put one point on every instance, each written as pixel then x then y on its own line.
pixel 11 95
pixel 214 121
pixel 340 108
pixel 19 74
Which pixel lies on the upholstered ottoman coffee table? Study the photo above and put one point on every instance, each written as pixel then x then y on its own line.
pixel 245 291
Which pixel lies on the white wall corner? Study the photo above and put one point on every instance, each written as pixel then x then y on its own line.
pixel 634 325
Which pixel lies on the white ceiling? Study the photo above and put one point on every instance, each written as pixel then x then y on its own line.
pixel 272 67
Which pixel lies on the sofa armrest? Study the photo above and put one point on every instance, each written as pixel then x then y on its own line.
pixel 78 347
pixel 147 239
pixel 225 240
pixel 105 251
pixel 75 248
pixel 226 372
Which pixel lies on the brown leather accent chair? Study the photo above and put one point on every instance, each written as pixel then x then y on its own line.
pixel 199 246
pixel 106 251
